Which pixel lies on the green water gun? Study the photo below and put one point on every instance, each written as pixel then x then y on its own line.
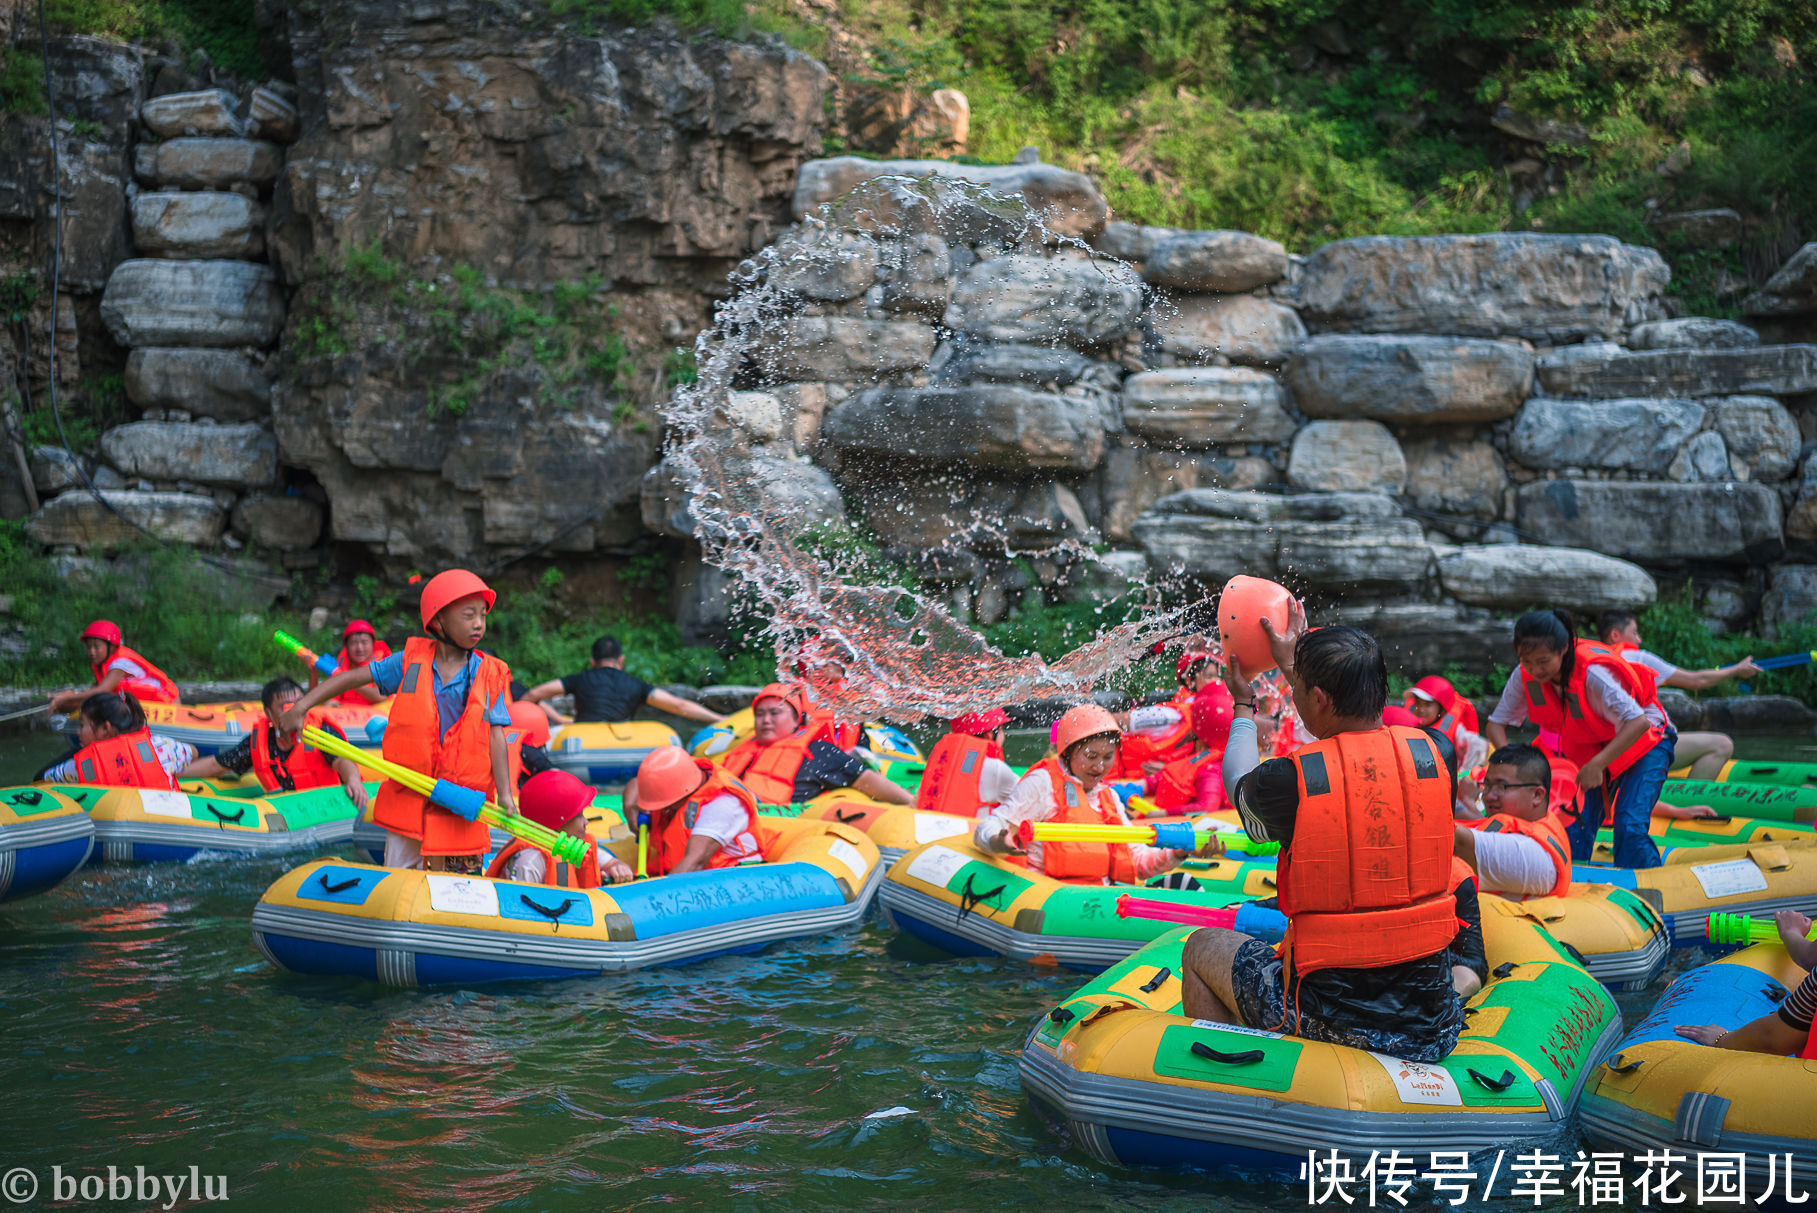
pixel 1740 930
pixel 325 666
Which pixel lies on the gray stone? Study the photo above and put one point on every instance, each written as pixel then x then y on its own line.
pixel 1340 540
pixel 1511 121
pixel 1047 513
pixel 997 426
pixel 1692 333
pixel 1203 406
pixel 1242 328
pixel 1215 261
pixel 1760 432
pixel 233 455
pixel 1792 290
pixel 793 486
pixel 1685 713
pixel 1718 228
pixel 1642 435
pixel 210 303
pixel 1514 577
pixel 54 470
pixel 851 348
pixel 936 511
pixel 1551 288
pixel 198 225
pixel 1409 379
pixel 916 272
pixel 1604 371
pixel 1133 477
pixel 1417 637
pixel 77 519
pixel 1132 242
pixel 1756 714
pixel 965 361
pixel 756 416
pixel 1656 523
pixel 1462 477
pixel 1068 203
pixel 288 524
pixel 1791 597
pixel 1028 298
pixel 209 112
pixel 1704 458
pixel 227 385
pixel 213 164
pixel 825 264
pixel 1347 456
pixel 272 116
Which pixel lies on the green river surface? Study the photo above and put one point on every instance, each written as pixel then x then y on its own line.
pixel 147 1031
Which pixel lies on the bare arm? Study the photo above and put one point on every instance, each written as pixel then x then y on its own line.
pixel 1768 1034
pixel 1592 772
pixel 675 705
pixel 350 779
pixel 1496 732
pixel 1698 680
pixel 203 768
pixel 70 699
pixel 700 850
pixel 542 691
pixel 878 788
pixel 502 789
pixel 295 716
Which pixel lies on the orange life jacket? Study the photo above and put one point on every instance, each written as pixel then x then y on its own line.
pixel 843 735
pixel 955 771
pixel 303 767
pixel 1364 881
pixel 669 836
pixel 380 651
pixel 1548 832
pixel 1087 862
pixel 126 760
pixel 769 770
pixel 154 687
pixel 1582 733
pixel 556 872
pixel 1134 749
pixel 1178 782
pixel 414 739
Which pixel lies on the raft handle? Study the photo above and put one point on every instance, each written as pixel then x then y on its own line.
pixel 1614 1065
pixel 342 887
pixel 552 915
pixel 224 818
pixel 1201 1049
pixel 843 820
pixel 1774 992
pixel 1269 881
pixel 1060 1015
pixel 1494 1084
pixel 1502 970
pixel 27 796
pixel 1154 983
pixel 971 896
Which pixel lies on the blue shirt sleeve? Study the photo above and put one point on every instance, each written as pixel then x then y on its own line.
pixel 499 712
pixel 388 673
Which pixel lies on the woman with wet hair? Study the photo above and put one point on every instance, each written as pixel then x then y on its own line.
pixel 116 748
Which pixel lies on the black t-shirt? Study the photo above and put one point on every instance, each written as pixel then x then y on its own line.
pixel 606 693
pixel 827 767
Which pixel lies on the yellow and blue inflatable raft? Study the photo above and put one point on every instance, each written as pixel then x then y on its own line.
pixel 142 825
pixel 213 727
pixel 44 838
pixel 600 753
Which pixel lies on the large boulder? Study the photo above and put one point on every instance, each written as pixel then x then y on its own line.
pixel 1455 476
pixel 214 164
pixel 1791 597
pixel 76 518
pixel 1347 456
pixel 228 385
pixel 792 486
pixel 1692 333
pixel 826 264
pixel 851 347
pixel 1761 433
pixel 1341 540
pixel 1791 291
pixel 1202 406
pixel 208 112
pixel 1215 261
pixel 1068 203
pixel 1550 288
pixel 197 226
pixel 1642 435
pixel 1602 371
pixel 1245 329
pixel 1419 637
pixel 1705 457
pixel 1409 379
pixel 55 469
pixel 988 426
pixel 287 524
pixel 1029 298
pixel 963 360
pixel 1132 241
pixel 211 303
pixel 1133 477
pixel 230 455
pixel 1513 577
pixel 1656 523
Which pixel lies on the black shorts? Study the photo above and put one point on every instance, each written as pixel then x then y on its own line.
pixel 1258 979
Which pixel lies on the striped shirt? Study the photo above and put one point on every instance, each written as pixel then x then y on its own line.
pixel 1799 1009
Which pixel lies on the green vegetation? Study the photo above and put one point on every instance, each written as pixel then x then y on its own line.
pixel 225 29
pixel 1673 628
pixel 22 82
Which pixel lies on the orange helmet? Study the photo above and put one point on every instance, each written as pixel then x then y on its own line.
pixel 790 693
pixel 446 589
pixel 1243 604
pixel 100 629
pixel 553 798
pixel 1086 720
pixel 532 722
pixel 669 775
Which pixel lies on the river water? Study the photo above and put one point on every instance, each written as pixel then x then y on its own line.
pixel 146 1031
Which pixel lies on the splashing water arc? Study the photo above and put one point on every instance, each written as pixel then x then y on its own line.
pixel 903 654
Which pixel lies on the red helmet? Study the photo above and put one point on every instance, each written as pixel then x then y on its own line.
pixel 1187 661
pixel 553 798
pixel 446 589
pixel 357 627
pixel 532 722
pixel 1086 720
pixel 100 629
pixel 1212 711
pixel 977 724
pixel 1397 715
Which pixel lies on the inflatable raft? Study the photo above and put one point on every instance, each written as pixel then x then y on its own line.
pixel 1139 1084
pixel 1777 774
pixel 213 727
pixel 1710 831
pixel 1761 801
pixel 1660 1091
pixel 888 744
pixel 44 837
pixel 964 901
pixel 599 753
pixel 895 828
pixel 140 825
pixel 604 822
pixel 1753 878
pixel 413 928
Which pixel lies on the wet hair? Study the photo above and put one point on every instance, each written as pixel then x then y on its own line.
pixel 1613 621
pixel 281 685
pixel 120 712
pixel 606 648
pixel 1345 663
pixel 1555 630
pixel 1529 760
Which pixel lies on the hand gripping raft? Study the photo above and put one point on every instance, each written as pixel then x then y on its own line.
pixel 325 666
pixel 1180 835
pixel 470 803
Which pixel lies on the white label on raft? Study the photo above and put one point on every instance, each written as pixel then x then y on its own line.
pixel 850 856
pixel 936 865
pixel 932 827
pixel 1418 1082
pixel 164 804
pixel 1728 879
pixel 462 894
pixel 1238 1028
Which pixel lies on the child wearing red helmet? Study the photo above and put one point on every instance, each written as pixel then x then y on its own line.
pixel 360 646
pixel 117 669
pixel 448 719
pixel 965 770
pixel 559 801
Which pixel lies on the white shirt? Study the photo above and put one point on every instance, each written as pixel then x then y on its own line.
pixel 1662 669
pixel 997 782
pixel 1157 718
pixel 1033 800
pixel 1602 695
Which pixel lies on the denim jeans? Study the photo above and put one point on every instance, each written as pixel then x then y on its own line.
pixel 1634 793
